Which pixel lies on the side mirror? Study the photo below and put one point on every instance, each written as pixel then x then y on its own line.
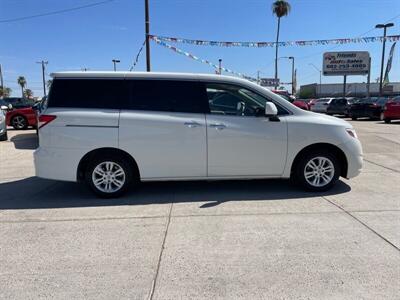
pixel 10 107
pixel 240 108
pixel 3 107
pixel 270 109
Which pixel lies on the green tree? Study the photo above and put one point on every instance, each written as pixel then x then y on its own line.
pixel 306 93
pixel 22 82
pixel 281 9
pixel 28 93
pixel 5 92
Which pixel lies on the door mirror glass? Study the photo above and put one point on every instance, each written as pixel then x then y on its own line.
pixel 270 109
pixel 240 108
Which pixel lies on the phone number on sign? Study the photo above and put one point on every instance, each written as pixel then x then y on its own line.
pixel 347 66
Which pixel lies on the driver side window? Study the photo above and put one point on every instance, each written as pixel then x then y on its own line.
pixel 225 99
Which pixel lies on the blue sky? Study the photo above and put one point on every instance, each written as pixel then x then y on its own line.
pixel 92 37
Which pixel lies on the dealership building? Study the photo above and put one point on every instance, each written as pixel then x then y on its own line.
pixel 352 89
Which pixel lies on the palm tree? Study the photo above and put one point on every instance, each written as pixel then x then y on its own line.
pixel 5 92
pixel 281 9
pixel 28 93
pixel 22 82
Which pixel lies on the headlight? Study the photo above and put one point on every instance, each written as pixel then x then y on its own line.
pixel 352 132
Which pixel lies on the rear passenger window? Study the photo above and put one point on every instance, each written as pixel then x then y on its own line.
pixel 88 93
pixel 168 95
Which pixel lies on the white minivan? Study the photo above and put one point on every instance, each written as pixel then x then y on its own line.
pixel 115 129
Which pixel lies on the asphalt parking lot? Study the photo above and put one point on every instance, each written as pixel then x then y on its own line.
pixel 203 240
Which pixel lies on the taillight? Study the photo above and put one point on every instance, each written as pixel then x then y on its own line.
pixel 45 119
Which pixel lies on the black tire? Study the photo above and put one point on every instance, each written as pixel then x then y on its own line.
pixel 120 162
pixel 19 122
pixel 354 118
pixel 387 121
pixel 4 137
pixel 298 175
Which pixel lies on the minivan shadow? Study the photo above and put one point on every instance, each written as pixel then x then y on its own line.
pixel 34 193
pixel 25 141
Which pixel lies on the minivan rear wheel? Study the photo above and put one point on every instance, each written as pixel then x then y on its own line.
pixel 108 176
pixel 317 171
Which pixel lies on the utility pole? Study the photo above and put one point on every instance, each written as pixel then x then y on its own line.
pixel 344 85
pixel 220 66
pixel 43 63
pixel 147 28
pixel 369 79
pixel 384 26
pixel 1 78
pixel 115 62
pixel 320 77
pixel 258 77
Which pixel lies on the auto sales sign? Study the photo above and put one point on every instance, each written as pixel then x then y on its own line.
pixel 346 63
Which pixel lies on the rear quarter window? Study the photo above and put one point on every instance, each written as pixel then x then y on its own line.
pixel 88 93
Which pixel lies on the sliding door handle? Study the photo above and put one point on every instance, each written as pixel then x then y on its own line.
pixel 192 124
pixel 218 126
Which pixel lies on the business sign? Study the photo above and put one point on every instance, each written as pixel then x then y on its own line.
pixel 346 63
pixel 269 82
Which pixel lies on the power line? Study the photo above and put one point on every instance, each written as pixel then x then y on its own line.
pixel 55 12
pixel 137 56
pixel 334 47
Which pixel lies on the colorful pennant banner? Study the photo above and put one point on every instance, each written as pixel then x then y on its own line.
pixel 187 54
pixel 371 39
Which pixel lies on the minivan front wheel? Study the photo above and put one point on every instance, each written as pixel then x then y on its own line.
pixel 317 171
pixel 108 177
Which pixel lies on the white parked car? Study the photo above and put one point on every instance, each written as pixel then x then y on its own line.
pixel 115 129
pixel 3 124
pixel 321 105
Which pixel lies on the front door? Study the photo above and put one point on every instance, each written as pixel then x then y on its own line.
pixel 241 140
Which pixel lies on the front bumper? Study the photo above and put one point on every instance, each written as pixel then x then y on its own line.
pixel 354 155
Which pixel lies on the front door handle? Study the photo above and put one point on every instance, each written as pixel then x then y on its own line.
pixel 192 124
pixel 218 126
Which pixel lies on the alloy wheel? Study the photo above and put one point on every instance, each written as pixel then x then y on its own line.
pixel 319 171
pixel 108 177
pixel 19 122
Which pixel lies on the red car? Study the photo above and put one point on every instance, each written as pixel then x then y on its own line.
pixel 21 118
pixel 285 95
pixel 301 103
pixel 391 110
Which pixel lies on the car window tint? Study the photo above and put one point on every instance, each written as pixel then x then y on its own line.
pixel 167 95
pixel 232 100
pixel 88 93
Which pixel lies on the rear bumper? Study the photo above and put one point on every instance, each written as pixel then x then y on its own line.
pixel 365 113
pixel 354 156
pixel 57 164
pixel 391 115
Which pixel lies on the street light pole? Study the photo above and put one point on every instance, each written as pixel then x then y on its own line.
pixel 1 77
pixel 320 77
pixel 292 83
pixel 384 26
pixel 115 61
pixel 220 66
pixel 147 29
pixel 43 63
pixel 292 58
